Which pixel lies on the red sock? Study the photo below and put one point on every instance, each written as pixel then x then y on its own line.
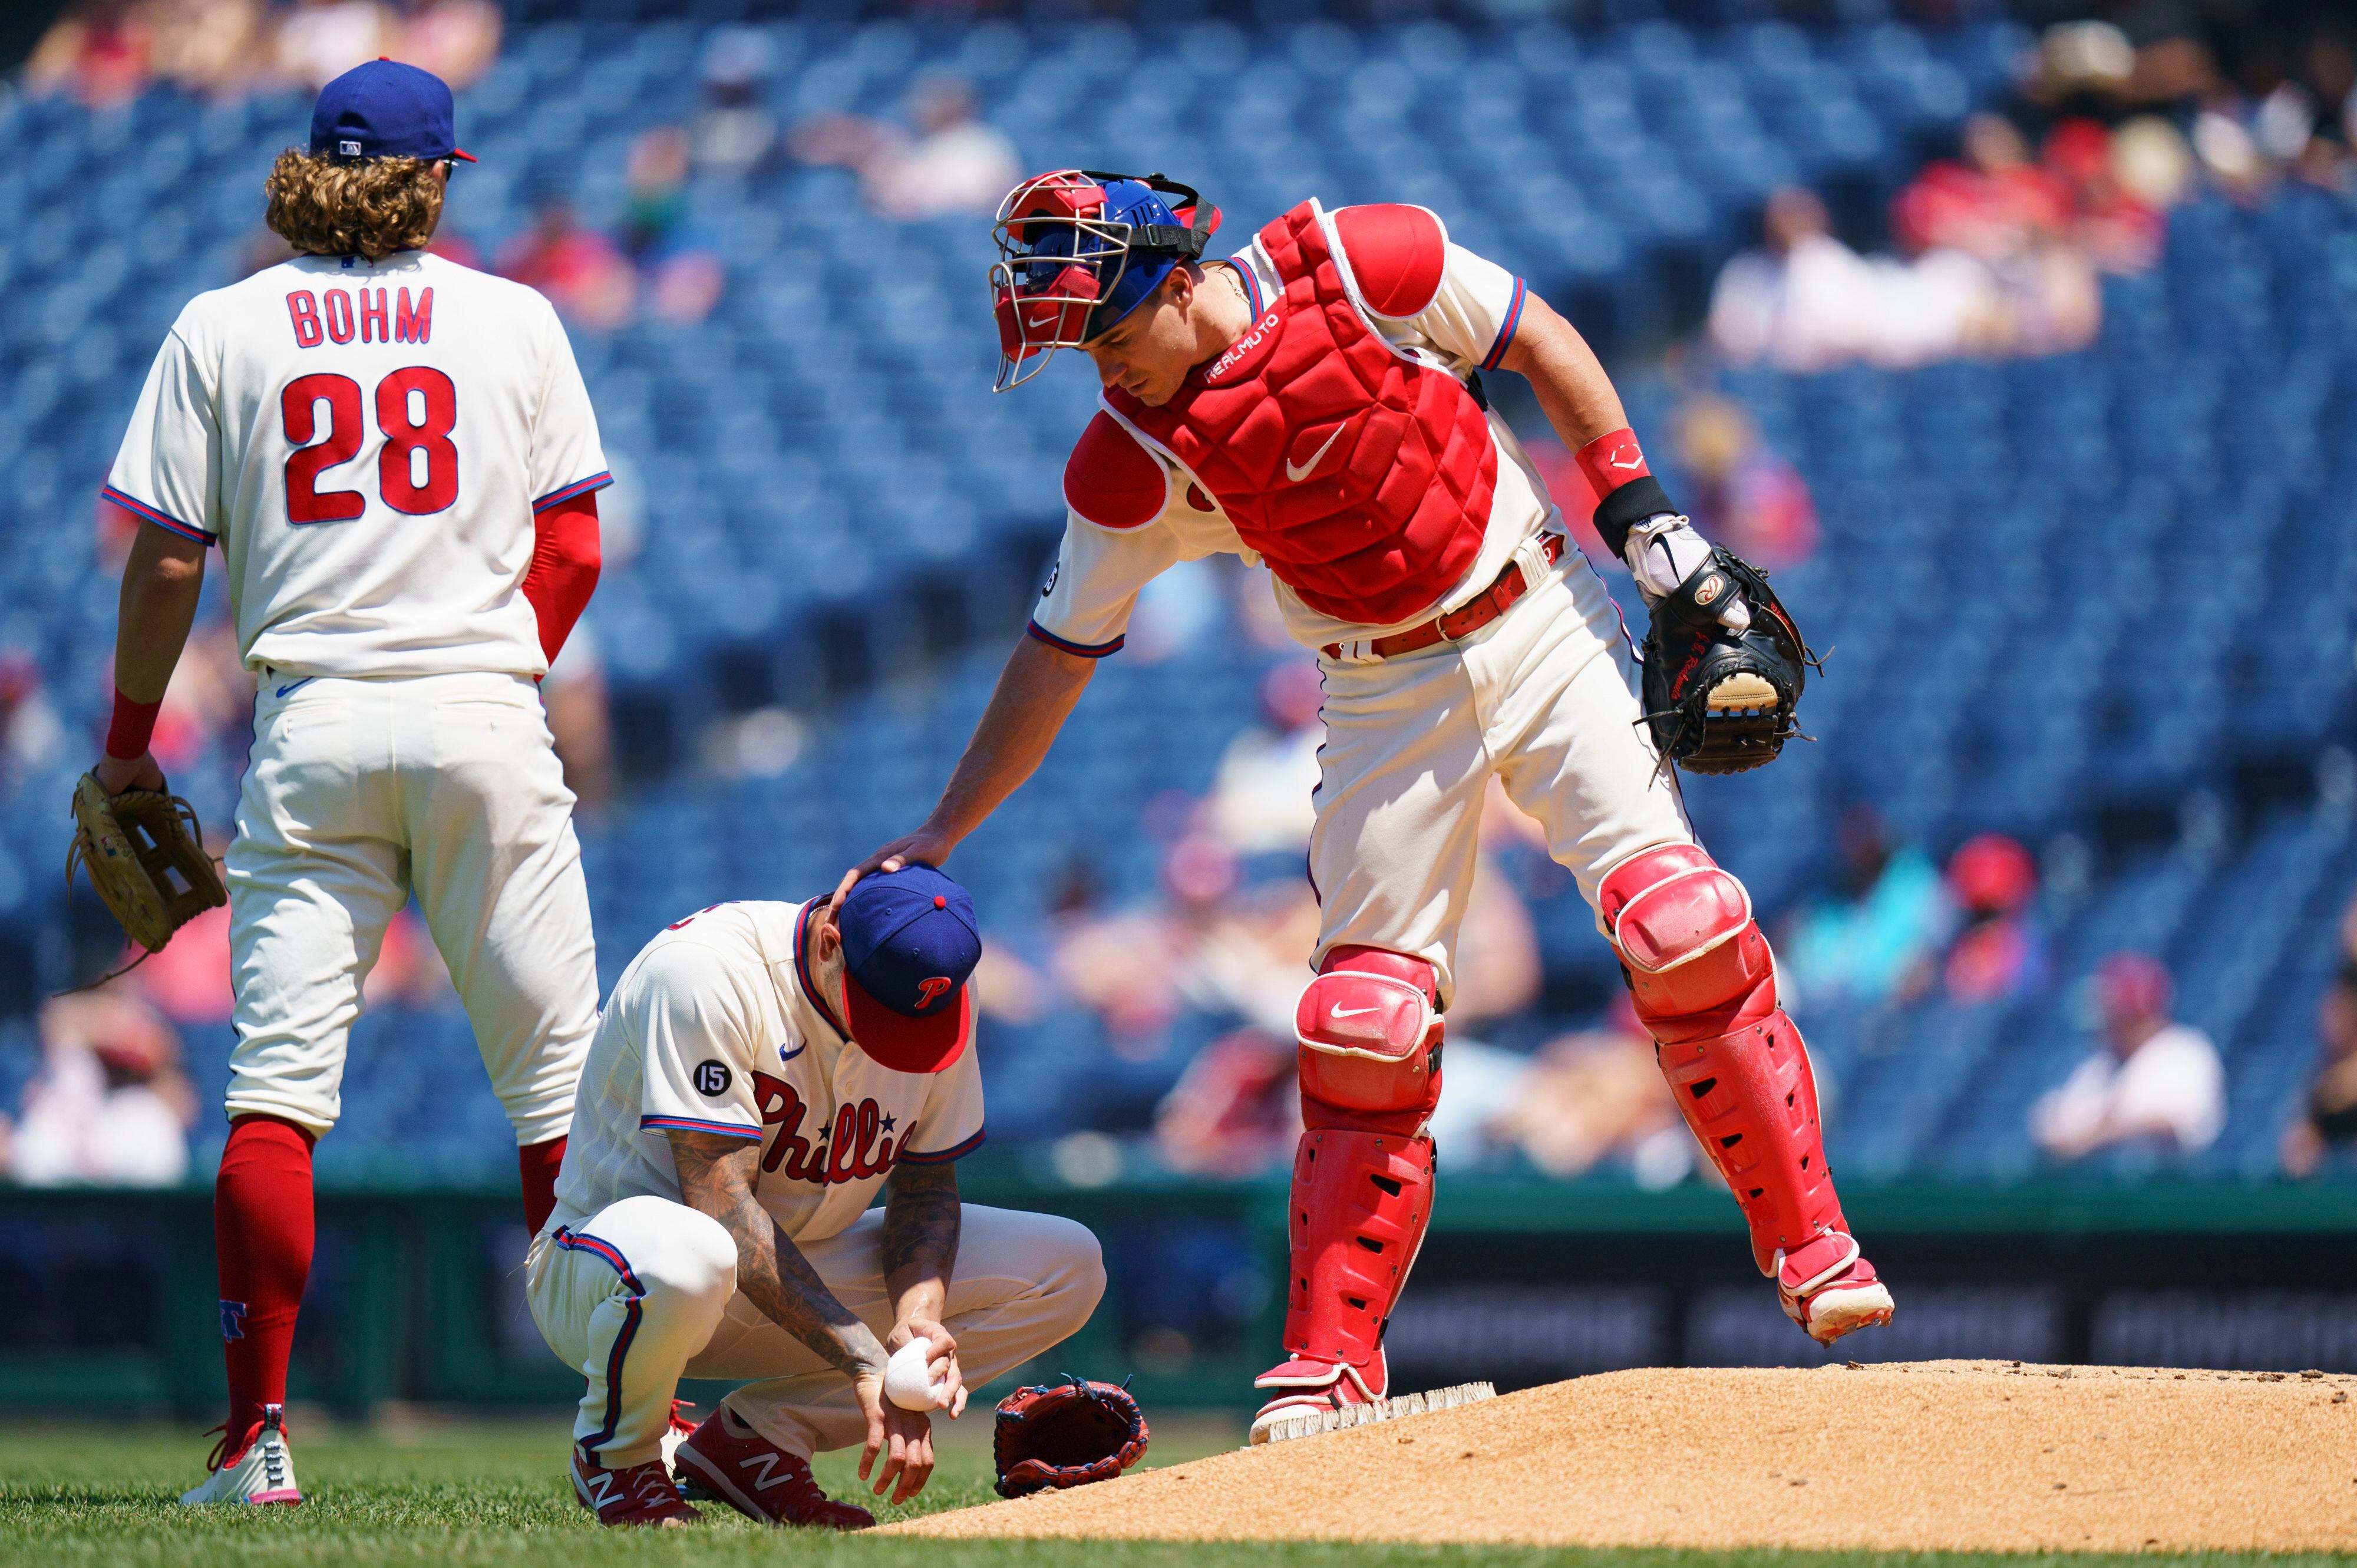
pixel 262 1230
pixel 537 1164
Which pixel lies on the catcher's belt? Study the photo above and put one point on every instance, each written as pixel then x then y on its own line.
pixel 1065 1434
pixel 146 852
pixel 1508 587
pixel 1719 701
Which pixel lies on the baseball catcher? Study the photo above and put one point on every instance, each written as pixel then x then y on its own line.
pixel 1313 403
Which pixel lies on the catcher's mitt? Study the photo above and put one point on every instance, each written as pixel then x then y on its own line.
pixel 1066 1434
pixel 146 856
pixel 1721 702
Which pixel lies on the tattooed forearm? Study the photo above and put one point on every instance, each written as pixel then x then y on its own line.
pixel 718 1176
pixel 920 1231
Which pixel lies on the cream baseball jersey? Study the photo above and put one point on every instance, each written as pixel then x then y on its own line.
pixel 717 1027
pixel 368 444
pixel 1466 325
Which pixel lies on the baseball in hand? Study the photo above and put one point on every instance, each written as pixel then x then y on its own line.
pixel 909 1378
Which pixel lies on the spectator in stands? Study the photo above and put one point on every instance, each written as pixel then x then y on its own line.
pixel 1260 795
pixel 2329 1119
pixel 212 47
pixel 98 51
pixel 2158 1083
pixel 1873 936
pixel 735 133
pixel 29 730
pixel 1998 955
pixel 2116 230
pixel 583 273
pixel 1740 492
pixel 454 39
pixel 1236 1109
pixel 2012 218
pixel 1596 1096
pixel 680 273
pixel 1801 302
pixel 109 1106
pixel 318 40
pixel 953 162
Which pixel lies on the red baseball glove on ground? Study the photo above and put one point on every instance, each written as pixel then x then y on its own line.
pixel 1066 1434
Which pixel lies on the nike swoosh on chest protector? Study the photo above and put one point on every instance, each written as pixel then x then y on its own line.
pixel 1296 473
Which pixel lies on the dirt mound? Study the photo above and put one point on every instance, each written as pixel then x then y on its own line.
pixel 1943 1455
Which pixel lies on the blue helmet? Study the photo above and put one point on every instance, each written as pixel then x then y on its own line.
pixel 1079 250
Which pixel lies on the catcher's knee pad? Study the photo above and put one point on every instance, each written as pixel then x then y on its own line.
pixel 1358 1206
pixel 1696 961
pixel 1369 1040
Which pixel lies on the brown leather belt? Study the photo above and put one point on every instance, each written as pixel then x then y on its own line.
pixel 1492 602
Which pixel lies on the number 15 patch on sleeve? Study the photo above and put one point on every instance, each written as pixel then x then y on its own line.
pixel 713 1078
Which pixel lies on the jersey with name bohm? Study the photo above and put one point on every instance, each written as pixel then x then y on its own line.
pixel 368 443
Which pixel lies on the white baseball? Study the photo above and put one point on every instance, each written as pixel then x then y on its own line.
pixel 909 1378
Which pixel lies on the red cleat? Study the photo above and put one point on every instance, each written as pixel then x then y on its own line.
pixel 1308 1386
pixel 726 1459
pixel 637 1495
pixel 1829 1289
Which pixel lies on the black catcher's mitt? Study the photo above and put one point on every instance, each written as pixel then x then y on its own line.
pixel 1066 1434
pixel 1721 702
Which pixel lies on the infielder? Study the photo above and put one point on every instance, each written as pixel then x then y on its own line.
pixel 759 1073
pixel 399 462
pixel 1313 405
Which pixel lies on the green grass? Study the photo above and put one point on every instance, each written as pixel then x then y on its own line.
pixel 496 1493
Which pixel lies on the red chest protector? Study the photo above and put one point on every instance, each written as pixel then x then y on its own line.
pixel 1362 477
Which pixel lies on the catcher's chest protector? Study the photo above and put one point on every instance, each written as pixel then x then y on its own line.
pixel 1362 477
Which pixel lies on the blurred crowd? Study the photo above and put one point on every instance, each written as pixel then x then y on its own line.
pixel 105 52
pixel 1999 249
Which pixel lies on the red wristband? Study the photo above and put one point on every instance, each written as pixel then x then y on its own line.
pixel 133 727
pixel 1612 461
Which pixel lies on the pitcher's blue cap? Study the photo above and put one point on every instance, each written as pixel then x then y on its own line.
pixel 910 942
pixel 386 110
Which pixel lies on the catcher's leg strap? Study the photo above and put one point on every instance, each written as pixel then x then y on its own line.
pixel 1704 987
pixel 1360 1204
pixel 1370 1042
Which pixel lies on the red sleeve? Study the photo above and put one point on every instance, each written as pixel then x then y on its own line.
pixel 563 570
pixel 1397 254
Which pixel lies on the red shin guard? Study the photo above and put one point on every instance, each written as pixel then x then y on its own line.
pixel 263 1234
pixel 536 1167
pixel 1362 1175
pixel 1704 986
pixel 1752 1101
pixel 1361 1203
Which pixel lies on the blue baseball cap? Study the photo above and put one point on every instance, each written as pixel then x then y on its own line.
pixel 909 943
pixel 386 110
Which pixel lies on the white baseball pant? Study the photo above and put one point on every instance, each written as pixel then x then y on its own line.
pixel 644 1292
pixel 1545 696
pixel 360 792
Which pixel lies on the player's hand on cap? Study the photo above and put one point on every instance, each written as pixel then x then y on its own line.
pixel 1664 554
pixel 117 774
pixel 899 1442
pixel 926 843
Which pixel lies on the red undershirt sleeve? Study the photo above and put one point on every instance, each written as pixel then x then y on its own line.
pixel 563 570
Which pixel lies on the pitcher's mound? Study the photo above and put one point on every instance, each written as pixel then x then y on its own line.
pixel 1958 1455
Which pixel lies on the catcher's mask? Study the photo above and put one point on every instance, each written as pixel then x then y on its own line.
pixel 1080 249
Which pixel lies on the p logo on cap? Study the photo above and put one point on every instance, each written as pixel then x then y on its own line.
pixel 909 941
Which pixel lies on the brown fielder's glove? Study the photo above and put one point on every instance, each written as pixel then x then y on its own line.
pixel 1719 701
pixel 1066 1434
pixel 146 857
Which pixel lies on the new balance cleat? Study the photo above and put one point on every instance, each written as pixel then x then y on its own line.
pixel 262 1470
pixel 727 1460
pixel 1829 1289
pixel 636 1495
